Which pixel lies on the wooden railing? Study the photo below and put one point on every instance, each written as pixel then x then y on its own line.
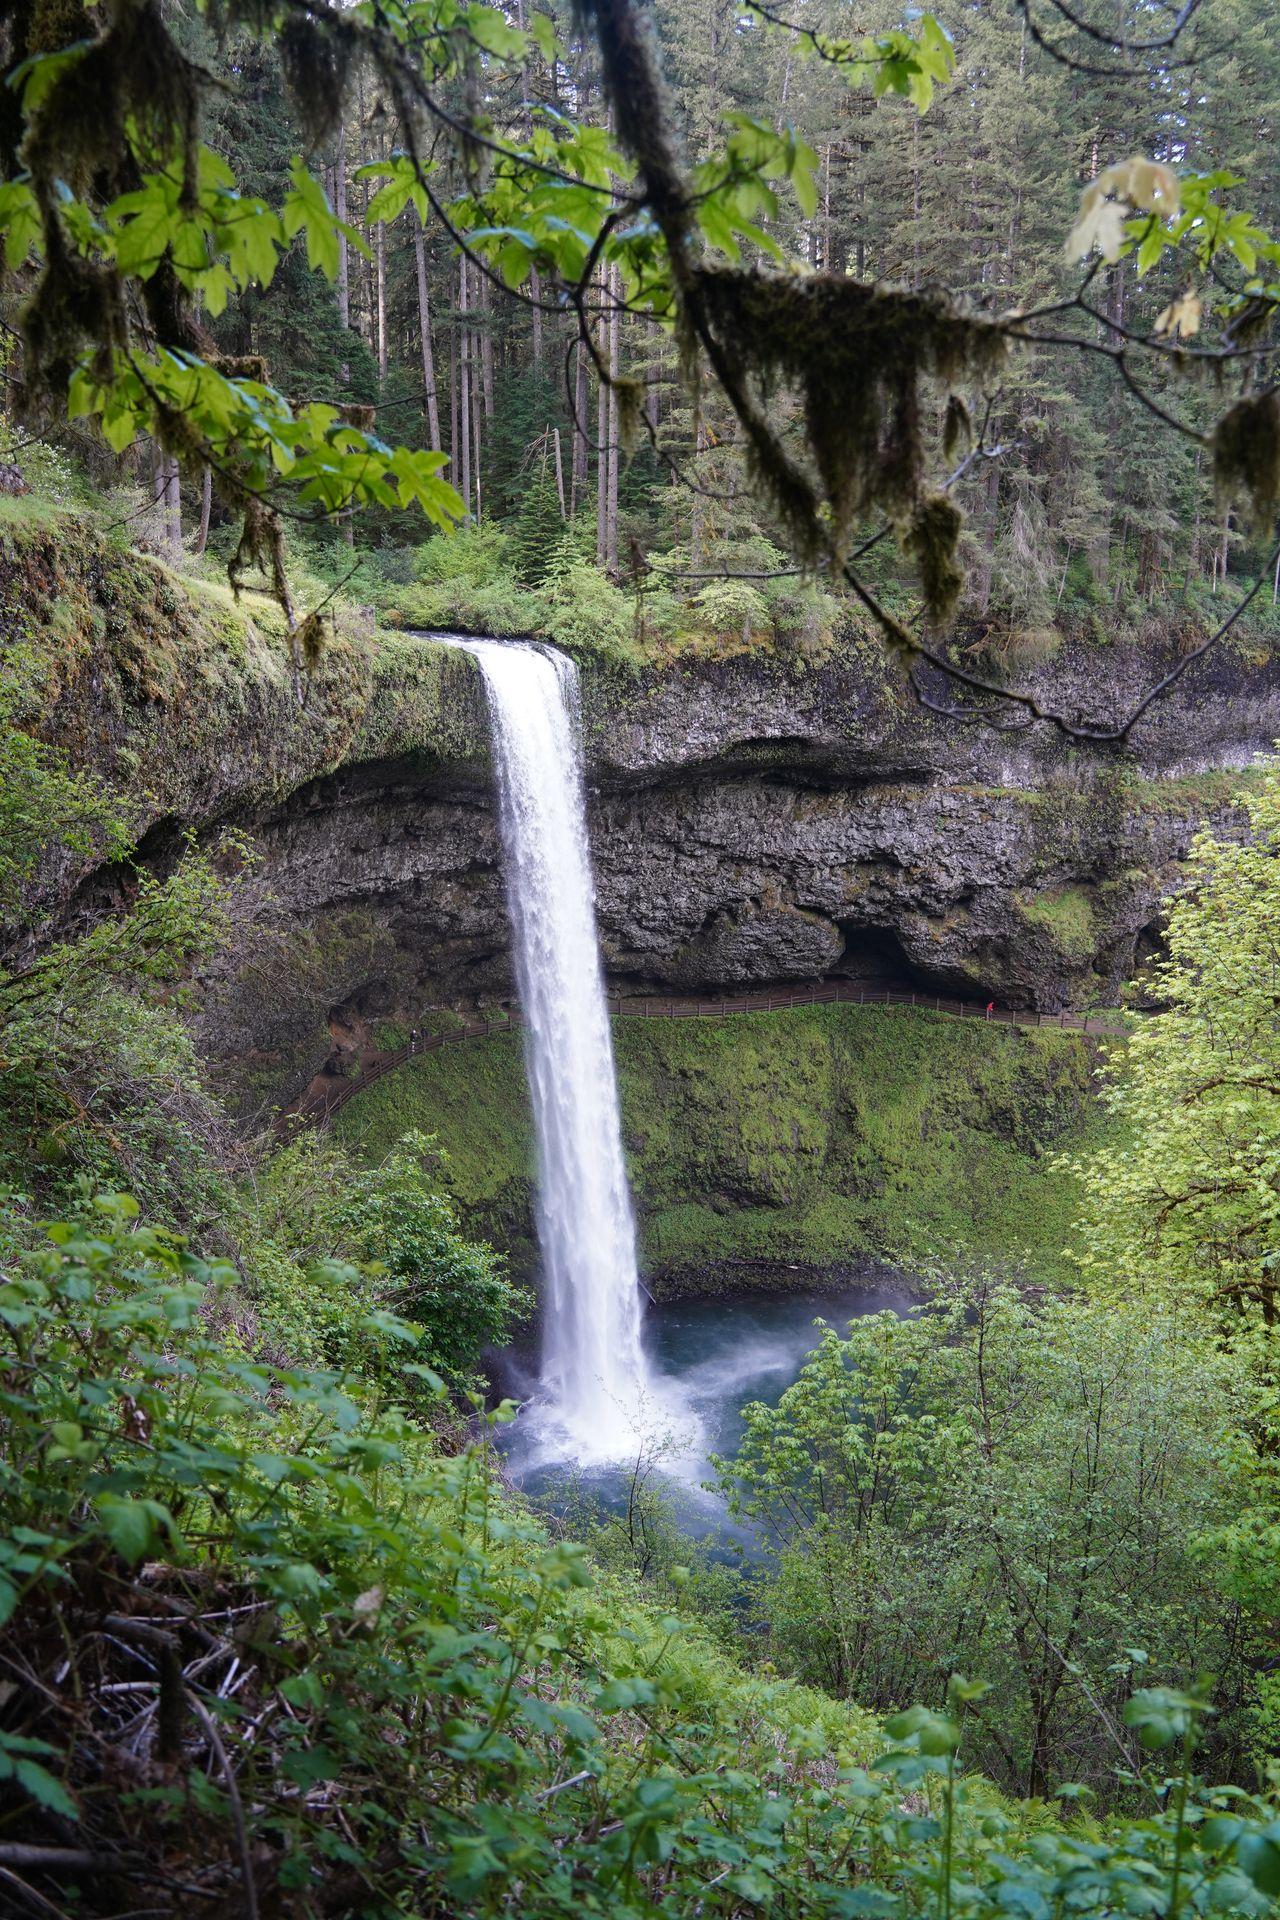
pixel 323 1106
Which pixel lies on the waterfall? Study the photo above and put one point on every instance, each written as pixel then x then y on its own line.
pixel 593 1365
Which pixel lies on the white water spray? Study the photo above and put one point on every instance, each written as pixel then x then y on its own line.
pixel 593 1364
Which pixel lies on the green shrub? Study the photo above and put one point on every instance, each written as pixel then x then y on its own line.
pixel 389 1036
pixel 392 1232
pixel 734 608
pixel 267 1648
pixel 1012 1487
pixel 586 613
pixel 102 1080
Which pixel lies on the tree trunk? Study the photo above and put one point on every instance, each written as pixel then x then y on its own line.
pixel 984 572
pixel 159 496
pixel 477 414
pixel 464 399
pixel 168 500
pixel 615 357
pixel 535 291
pixel 173 504
pixel 344 264
pixel 486 351
pixel 697 508
pixel 366 264
pixel 380 254
pixel 560 477
pixel 206 508
pixel 424 334
pixel 602 458
pixel 453 405
pixel 476 390
pixel 915 202
pixel 578 486
pixel 826 207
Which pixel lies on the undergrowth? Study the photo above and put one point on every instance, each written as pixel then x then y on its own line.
pixel 269 1647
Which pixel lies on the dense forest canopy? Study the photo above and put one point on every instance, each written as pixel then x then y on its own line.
pixel 749 289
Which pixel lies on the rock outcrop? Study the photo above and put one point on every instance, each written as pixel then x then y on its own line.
pixel 753 820
pixel 752 826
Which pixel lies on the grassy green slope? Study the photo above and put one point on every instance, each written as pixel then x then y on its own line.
pixel 811 1136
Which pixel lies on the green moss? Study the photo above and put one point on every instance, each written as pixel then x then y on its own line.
pixel 1196 795
pixel 804 1138
pixel 125 663
pixel 1067 914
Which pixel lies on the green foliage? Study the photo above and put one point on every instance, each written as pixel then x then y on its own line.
pixel 584 612
pixel 474 1097
pixel 390 1234
pixel 46 807
pixel 377 1686
pixel 537 529
pixel 465 583
pixel 1186 1201
pixel 1011 1485
pixel 395 1215
pixel 110 327
pixel 732 607
pixel 101 1077
pixel 771 1139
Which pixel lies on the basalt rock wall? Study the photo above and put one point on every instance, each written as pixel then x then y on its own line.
pixel 755 820
pixel 751 824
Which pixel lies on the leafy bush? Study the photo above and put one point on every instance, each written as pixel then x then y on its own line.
pixel 267 1649
pixel 1010 1486
pixel 101 1077
pixel 476 555
pixel 585 612
pixel 1185 1202
pixel 391 1234
pixel 47 809
pixel 733 608
pixel 48 470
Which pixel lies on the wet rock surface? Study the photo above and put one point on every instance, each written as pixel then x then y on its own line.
pixel 750 825
pixel 755 820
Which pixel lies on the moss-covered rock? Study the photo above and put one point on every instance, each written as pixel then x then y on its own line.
pixel 764 1146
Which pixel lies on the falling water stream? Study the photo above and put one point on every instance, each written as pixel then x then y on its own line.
pixel 594 1386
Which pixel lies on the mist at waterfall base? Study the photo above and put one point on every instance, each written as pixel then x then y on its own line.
pixel 707 1359
pixel 594 1393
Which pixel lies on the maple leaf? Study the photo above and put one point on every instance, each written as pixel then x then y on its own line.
pixel 1182 316
pixel 1100 224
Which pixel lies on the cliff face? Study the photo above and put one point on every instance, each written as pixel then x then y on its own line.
pixel 751 821
pixel 753 826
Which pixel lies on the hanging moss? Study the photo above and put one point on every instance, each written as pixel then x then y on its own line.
pixel 956 426
pixel 931 540
pixel 1246 458
pixel 364 418
pixel 630 397
pixel 318 60
pixel 857 355
pixel 261 546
